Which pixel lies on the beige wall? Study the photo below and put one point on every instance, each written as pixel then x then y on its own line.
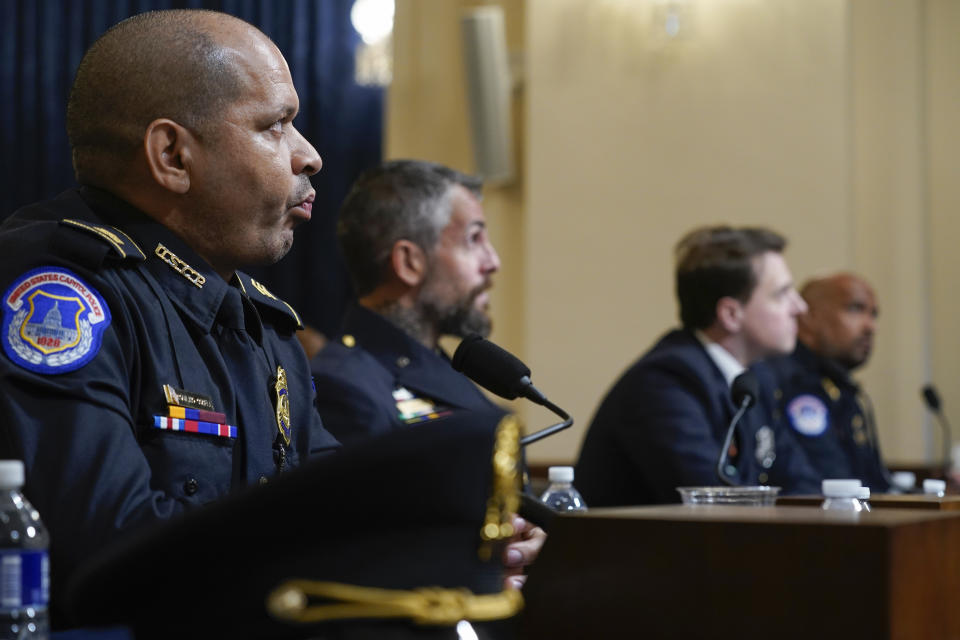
pixel 833 121
pixel 942 195
pixel 428 118
pixel 889 227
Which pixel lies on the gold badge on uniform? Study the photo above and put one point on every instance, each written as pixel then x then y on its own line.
pixel 282 404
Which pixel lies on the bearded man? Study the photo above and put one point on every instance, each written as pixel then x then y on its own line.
pixel 414 238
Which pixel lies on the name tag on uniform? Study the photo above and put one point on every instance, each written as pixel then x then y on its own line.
pixel 188 399
pixel 192 412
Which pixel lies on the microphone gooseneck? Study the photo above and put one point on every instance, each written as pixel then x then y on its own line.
pixel 744 392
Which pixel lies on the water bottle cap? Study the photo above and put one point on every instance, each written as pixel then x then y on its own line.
pixel 841 488
pixel 904 480
pixel 560 474
pixel 11 474
pixel 864 493
pixel 931 485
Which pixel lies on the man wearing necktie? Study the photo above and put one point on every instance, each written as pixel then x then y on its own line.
pixel 663 422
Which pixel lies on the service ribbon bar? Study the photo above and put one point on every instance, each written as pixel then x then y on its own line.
pixel 195 426
pixel 426 417
pixel 186 413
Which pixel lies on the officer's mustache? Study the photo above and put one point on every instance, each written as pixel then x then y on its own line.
pixel 304 190
pixel 475 293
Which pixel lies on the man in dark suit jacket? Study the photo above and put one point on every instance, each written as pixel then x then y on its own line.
pixel 414 238
pixel 663 423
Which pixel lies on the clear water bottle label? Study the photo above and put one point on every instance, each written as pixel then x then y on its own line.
pixel 24 578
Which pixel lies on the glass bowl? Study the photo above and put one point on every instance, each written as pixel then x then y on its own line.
pixel 746 496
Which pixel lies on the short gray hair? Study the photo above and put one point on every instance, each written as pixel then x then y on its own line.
pixel 399 199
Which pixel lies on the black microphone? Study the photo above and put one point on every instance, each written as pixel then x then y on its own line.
pixel 744 392
pixel 932 399
pixel 499 371
pixel 502 373
pixel 495 369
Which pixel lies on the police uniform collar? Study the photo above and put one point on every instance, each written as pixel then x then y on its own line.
pixel 262 296
pixel 107 205
pixel 394 347
pixel 829 368
pixel 199 303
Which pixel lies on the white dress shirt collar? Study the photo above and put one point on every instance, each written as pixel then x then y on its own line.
pixel 729 366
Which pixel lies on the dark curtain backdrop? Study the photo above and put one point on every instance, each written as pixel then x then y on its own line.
pixel 42 42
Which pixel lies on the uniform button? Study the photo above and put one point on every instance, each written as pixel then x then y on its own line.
pixel 191 486
pixel 762 478
pixel 263 480
pixel 403 361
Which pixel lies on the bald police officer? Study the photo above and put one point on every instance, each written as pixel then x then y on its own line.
pixel 143 374
pixel 830 415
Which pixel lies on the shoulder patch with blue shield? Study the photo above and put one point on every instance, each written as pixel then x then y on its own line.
pixel 808 415
pixel 53 321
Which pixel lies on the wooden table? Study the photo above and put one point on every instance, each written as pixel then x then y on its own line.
pixel 719 571
pixel 884 501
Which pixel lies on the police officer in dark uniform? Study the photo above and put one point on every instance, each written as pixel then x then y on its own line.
pixel 414 238
pixel 830 414
pixel 143 374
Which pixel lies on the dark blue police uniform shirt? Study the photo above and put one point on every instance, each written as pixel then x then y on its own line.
pixel 662 424
pixel 821 404
pixel 374 378
pixel 84 419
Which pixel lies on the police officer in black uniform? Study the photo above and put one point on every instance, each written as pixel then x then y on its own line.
pixel 143 374
pixel 830 414
pixel 414 237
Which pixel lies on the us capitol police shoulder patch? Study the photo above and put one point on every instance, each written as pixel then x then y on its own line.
pixel 808 415
pixel 53 321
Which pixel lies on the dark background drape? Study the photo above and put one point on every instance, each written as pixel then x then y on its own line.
pixel 42 42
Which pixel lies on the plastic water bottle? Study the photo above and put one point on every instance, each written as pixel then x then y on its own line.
pixel 934 487
pixel 842 495
pixel 864 498
pixel 24 563
pixel 561 494
pixel 903 482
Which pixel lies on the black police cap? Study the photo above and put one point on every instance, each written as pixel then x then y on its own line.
pixel 339 548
